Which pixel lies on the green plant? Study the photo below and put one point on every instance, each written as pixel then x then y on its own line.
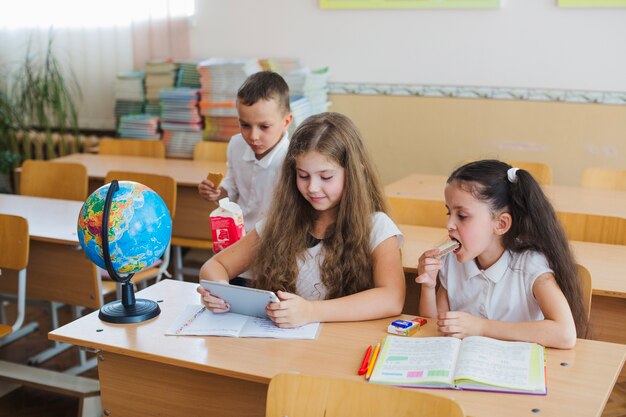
pixel 9 124
pixel 45 95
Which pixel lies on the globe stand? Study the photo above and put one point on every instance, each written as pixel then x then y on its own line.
pixel 129 309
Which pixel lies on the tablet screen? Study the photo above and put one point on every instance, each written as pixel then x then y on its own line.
pixel 242 300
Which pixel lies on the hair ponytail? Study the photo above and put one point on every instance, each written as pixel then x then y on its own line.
pixel 534 222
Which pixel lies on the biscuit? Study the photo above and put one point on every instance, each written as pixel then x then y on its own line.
pixel 215 178
pixel 447 247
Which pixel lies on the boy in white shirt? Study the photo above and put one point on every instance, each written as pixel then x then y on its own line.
pixel 255 156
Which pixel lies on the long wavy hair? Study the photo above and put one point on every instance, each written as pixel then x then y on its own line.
pixel 534 225
pixel 347 265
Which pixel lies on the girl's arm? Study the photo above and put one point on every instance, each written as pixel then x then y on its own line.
pixel 386 299
pixel 556 330
pixel 225 265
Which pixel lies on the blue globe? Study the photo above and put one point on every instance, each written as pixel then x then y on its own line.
pixel 140 227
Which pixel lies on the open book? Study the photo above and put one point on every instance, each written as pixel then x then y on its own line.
pixel 195 320
pixel 475 363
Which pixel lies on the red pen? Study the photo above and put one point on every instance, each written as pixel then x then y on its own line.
pixel 366 360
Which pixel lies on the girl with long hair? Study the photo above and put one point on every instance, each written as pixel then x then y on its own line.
pixel 327 247
pixel 513 276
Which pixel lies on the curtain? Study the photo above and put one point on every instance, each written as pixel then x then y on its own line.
pixel 96 41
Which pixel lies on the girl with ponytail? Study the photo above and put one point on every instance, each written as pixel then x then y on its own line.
pixel 513 276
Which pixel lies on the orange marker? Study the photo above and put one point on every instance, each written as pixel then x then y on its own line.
pixel 370 368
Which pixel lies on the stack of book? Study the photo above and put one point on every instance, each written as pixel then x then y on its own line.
pixel 188 75
pixel 220 79
pixel 129 93
pixel 159 75
pixel 139 126
pixel 279 65
pixel 310 85
pixel 180 120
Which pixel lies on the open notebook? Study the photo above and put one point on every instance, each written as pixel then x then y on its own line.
pixel 475 363
pixel 195 320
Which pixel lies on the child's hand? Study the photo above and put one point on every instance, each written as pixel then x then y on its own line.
pixel 207 190
pixel 427 268
pixel 460 324
pixel 211 302
pixel 292 311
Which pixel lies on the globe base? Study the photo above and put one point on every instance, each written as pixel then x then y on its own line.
pixel 141 310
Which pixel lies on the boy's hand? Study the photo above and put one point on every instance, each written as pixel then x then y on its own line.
pixel 428 267
pixel 292 311
pixel 460 324
pixel 207 191
pixel 211 302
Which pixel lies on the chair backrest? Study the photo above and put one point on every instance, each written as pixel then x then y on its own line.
pixel 585 287
pixel 417 212
pixel 607 178
pixel 318 396
pixel 593 228
pixel 62 180
pixel 210 151
pixel 14 242
pixel 541 171
pixel 132 147
pixel 163 185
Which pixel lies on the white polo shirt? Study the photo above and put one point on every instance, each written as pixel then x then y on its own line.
pixel 501 292
pixel 249 181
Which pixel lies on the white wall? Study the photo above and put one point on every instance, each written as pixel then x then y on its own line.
pixel 525 43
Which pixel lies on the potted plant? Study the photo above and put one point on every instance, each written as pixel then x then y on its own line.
pixel 45 94
pixel 9 155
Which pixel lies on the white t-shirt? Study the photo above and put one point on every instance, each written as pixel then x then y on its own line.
pixel 249 181
pixel 309 283
pixel 502 292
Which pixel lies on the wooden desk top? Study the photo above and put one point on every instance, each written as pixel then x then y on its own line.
pixel 49 220
pixel 186 172
pixel 579 389
pixel 565 199
pixel 606 263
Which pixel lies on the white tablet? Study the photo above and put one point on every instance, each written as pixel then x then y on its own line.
pixel 242 300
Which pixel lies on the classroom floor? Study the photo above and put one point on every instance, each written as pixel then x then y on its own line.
pixel 30 402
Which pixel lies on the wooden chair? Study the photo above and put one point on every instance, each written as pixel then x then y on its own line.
pixel 541 171
pixel 61 180
pixel 210 151
pixel 132 147
pixel 606 178
pixel 165 187
pixel 14 253
pixel 203 151
pixel 417 212
pixel 319 396
pixel 14 248
pixel 586 288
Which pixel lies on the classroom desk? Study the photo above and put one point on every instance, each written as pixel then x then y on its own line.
pixel 566 199
pixel 58 269
pixel 144 372
pixel 192 212
pixel 586 214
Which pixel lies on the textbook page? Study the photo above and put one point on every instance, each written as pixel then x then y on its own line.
pixel 196 320
pixel 500 364
pixel 261 327
pixel 409 361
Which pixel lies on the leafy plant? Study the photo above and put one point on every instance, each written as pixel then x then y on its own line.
pixel 9 124
pixel 44 94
